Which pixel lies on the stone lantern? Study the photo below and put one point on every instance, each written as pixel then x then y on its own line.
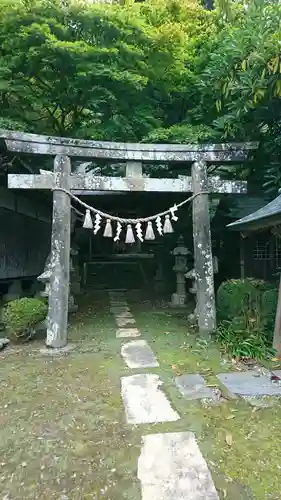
pixel 180 253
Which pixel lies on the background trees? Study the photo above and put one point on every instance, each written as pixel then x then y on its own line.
pixel 158 70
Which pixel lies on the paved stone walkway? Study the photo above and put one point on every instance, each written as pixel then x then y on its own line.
pixel 171 466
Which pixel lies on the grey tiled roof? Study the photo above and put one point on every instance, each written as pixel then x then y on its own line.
pixel 267 216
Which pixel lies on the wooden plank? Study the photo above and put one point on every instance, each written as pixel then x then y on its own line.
pixel 149 154
pixel 203 261
pixel 60 255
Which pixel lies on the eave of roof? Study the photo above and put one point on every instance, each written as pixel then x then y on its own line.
pixel 267 216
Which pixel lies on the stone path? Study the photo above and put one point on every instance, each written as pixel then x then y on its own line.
pixel 144 401
pixel 193 387
pixel 137 354
pixel 171 466
pixel 250 384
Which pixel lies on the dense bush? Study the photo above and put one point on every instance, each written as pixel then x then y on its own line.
pixel 22 315
pixel 246 313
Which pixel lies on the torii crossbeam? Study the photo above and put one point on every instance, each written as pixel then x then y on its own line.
pixel 134 155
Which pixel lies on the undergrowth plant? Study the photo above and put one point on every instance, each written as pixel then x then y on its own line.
pixel 244 343
pixel 246 312
pixel 21 316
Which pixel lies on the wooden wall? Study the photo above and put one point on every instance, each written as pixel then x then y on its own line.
pixel 25 230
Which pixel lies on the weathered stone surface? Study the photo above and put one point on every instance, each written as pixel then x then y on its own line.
pixel 121 322
pixel 119 309
pixel 249 384
pixel 59 351
pixel 32 143
pixel 203 261
pixel 60 257
pixel 144 401
pixel 4 343
pixel 193 387
pixel 119 304
pixel 125 314
pixel 127 332
pixel 171 467
pixel 137 354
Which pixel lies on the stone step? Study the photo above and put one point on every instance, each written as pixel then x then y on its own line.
pixel 144 401
pixel 171 467
pixel 137 354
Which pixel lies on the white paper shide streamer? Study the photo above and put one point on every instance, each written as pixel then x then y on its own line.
pixel 142 229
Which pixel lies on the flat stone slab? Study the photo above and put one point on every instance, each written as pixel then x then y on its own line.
pixel 249 384
pixel 171 467
pixel 125 314
pixel 117 294
pixel 144 401
pixel 137 354
pixel 127 332
pixel 119 309
pixel 118 303
pixel 193 387
pixel 125 321
pixel 57 351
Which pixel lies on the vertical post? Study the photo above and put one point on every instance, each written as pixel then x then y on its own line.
pixel 60 255
pixel 134 169
pixel 203 261
pixel 277 327
pixel 242 257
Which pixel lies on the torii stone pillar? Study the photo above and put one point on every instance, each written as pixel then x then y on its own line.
pixel 60 254
pixel 203 260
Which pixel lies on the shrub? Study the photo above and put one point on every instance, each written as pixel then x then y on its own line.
pixel 248 303
pixel 246 314
pixel 243 343
pixel 22 315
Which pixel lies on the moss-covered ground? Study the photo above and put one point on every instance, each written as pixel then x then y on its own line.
pixel 62 428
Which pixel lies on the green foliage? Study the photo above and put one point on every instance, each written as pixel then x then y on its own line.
pixel 246 313
pixel 183 133
pixel 241 343
pixel 248 302
pixel 22 315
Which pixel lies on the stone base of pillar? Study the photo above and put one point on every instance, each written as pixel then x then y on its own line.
pixel 178 300
pixel 72 307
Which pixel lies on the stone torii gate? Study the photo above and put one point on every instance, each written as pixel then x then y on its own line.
pixel 134 155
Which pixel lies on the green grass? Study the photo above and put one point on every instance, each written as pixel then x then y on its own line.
pixel 62 425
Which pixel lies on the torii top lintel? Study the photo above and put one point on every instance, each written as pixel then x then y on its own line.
pixel 22 142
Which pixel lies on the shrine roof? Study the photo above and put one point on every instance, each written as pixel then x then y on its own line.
pixel 267 216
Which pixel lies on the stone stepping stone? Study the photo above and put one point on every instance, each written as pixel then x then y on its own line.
pixel 117 295
pixel 137 354
pixel 118 303
pixel 119 309
pixel 171 467
pixel 193 387
pixel 125 314
pixel 144 401
pixel 249 384
pixel 125 321
pixel 127 332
